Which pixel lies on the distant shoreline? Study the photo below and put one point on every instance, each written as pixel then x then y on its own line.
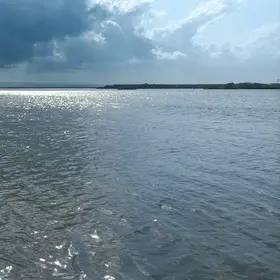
pixel 228 86
pixel 193 86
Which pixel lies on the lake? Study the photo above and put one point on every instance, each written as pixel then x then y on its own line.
pixel 145 184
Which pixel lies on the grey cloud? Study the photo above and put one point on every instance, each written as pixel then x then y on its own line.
pixel 26 24
pixel 112 42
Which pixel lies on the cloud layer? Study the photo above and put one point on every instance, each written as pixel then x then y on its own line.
pixel 30 24
pixel 57 36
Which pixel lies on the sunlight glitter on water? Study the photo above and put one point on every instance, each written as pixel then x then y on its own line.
pixel 95 236
pixel 108 277
pixel 5 272
pixel 70 99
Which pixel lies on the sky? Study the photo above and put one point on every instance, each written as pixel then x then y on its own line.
pixel 138 41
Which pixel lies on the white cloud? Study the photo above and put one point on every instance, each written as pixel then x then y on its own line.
pixel 167 55
pixel 265 37
pixel 213 8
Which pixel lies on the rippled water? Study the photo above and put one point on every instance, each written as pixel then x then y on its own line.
pixel 139 185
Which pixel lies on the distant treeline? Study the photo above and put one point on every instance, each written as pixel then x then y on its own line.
pixel 140 86
pixel 194 86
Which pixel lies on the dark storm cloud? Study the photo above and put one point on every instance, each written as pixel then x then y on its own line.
pixel 26 23
pixel 113 49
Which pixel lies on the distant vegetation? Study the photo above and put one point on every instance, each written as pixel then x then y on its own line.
pixel 141 86
pixel 194 86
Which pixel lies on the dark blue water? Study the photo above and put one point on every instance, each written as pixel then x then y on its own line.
pixel 140 185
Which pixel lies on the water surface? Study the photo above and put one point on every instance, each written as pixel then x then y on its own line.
pixel 147 184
